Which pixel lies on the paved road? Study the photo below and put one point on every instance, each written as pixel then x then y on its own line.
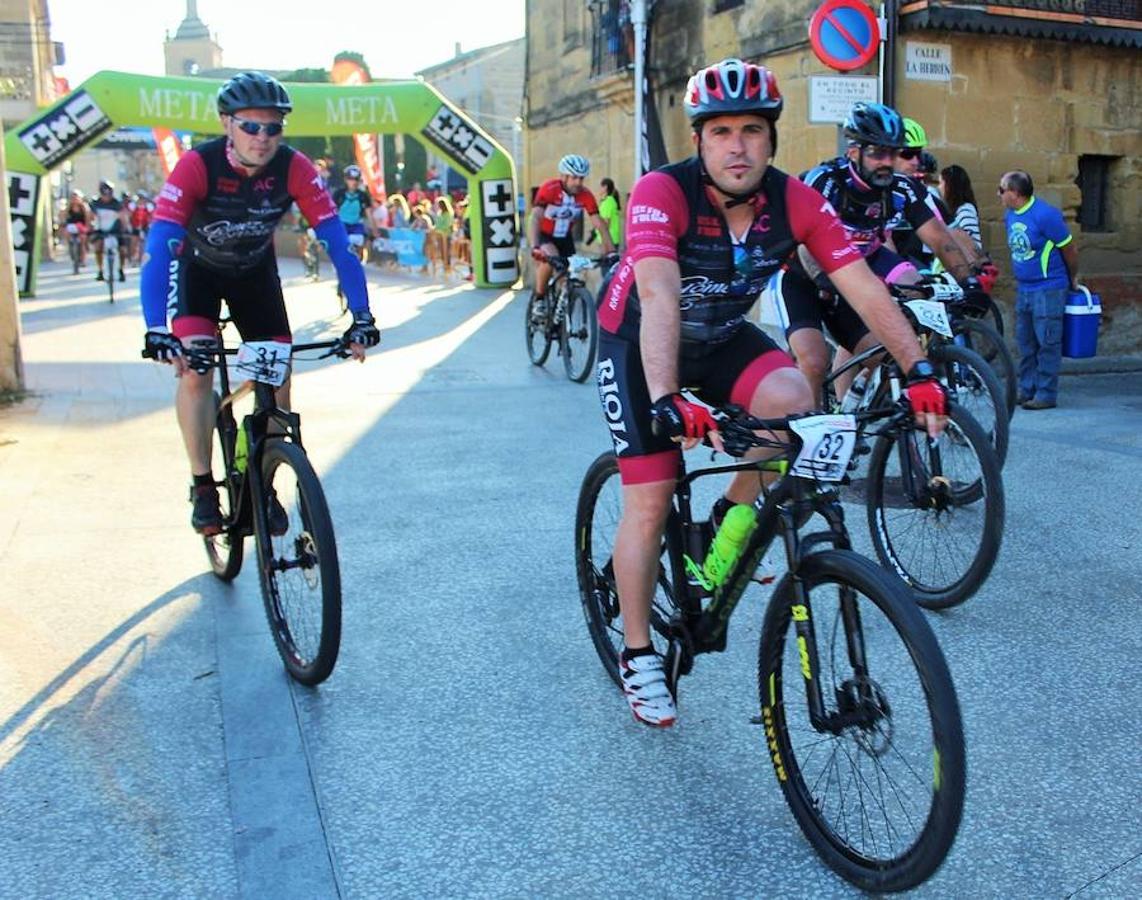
pixel 468 743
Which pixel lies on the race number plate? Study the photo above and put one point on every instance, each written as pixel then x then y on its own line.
pixel 931 314
pixel 827 446
pixel 265 361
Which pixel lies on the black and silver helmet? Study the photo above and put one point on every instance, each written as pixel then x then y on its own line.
pixel 253 90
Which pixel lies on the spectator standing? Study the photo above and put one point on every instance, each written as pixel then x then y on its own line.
pixel 956 189
pixel 1045 263
pixel 610 211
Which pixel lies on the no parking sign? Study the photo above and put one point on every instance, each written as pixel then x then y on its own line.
pixel 844 33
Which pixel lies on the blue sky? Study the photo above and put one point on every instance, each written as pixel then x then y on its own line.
pixel 396 38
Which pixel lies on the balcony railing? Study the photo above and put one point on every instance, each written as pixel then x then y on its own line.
pixel 612 37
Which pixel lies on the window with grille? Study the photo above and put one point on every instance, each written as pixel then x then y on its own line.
pixel 1093 182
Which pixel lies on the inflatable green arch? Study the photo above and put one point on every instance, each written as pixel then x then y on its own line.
pixel 110 99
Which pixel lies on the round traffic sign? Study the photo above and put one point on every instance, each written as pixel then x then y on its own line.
pixel 844 34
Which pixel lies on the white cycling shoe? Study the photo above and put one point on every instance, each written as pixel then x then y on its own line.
pixel 644 685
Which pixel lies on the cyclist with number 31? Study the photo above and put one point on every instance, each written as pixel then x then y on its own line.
pixel 212 239
pixel 704 237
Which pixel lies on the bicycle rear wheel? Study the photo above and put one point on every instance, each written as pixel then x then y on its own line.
pixel 940 532
pixel 537 330
pixel 974 386
pixel 73 252
pixel 579 334
pixel 596 524
pixel 300 574
pixel 989 344
pixel 224 549
pixel 878 787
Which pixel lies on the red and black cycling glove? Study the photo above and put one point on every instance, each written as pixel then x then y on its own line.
pixel 676 417
pixel 924 392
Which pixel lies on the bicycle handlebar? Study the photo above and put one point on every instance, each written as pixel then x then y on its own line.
pixel 202 360
pixel 739 430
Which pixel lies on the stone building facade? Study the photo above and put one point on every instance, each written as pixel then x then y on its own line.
pixel 487 83
pixel 1051 86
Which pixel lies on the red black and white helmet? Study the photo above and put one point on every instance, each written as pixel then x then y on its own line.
pixel 730 88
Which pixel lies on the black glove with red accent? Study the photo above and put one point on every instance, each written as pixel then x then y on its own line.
pixel 924 392
pixel 976 300
pixel 676 417
pixel 161 346
pixel 988 275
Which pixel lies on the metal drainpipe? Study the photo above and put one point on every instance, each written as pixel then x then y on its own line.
pixel 890 13
pixel 638 22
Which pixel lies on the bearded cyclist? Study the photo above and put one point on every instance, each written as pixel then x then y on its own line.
pixel 869 196
pixel 558 203
pixel 704 238
pixel 212 239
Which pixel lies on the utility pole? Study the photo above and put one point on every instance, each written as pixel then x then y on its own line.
pixel 638 17
pixel 11 364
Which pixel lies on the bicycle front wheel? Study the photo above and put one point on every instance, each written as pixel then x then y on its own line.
pixel 877 784
pixel 109 258
pixel 579 334
pixel 989 344
pixel 596 525
pixel 939 530
pixel 297 562
pixel 973 384
pixel 225 549
pixel 537 330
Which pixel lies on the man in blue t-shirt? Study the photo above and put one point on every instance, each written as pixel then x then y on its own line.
pixel 1046 265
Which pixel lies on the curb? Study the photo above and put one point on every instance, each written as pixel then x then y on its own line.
pixel 1101 365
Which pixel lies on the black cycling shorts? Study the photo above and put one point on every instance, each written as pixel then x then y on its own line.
pixel 805 304
pixel 565 245
pixel 254 299
pixel 729 375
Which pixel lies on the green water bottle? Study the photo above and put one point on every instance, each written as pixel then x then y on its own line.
pixel 727 545
pixel 240 451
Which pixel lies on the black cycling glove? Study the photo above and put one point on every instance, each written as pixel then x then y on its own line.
pixel 976 298
pixel 161 346
pixel 363 330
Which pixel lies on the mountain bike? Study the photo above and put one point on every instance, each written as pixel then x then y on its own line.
pixel 862 725
pixel 936 509
pixel 74 246
pixel 269 490
pixel 110 252
pixel 565 314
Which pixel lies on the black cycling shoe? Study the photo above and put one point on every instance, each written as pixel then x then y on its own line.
pixel 277 518
pixel 206 518
pixel 99 276
pixel 122 277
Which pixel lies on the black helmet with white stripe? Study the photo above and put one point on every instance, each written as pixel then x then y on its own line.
pixel 253 90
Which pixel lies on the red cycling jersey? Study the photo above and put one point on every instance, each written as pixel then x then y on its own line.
pixel 561 209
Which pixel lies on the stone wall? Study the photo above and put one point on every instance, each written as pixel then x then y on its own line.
pixel 1012 102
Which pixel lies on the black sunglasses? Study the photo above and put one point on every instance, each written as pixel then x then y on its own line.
pixel 272 129
pixel 909 153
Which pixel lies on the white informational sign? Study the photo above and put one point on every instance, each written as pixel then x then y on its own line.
pixel 831 96
pixel 931 314
pixel 927 62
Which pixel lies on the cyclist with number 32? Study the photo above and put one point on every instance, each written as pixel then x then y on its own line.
pixel 704 237
pixel 212 239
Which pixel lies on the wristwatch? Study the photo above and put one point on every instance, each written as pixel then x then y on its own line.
pixel 922 370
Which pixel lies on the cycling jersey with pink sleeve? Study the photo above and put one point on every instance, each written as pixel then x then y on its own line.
pixel 560 209
pixel 230 218
pixel 672 215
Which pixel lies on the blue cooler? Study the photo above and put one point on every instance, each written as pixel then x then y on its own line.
pixel 1080 324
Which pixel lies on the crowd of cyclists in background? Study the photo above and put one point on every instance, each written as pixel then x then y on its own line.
pixel 441 216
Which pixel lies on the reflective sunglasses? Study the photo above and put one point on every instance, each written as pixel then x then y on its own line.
pixel 910 153
pixel 250 127
pixel 872 151
pixel 743 270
